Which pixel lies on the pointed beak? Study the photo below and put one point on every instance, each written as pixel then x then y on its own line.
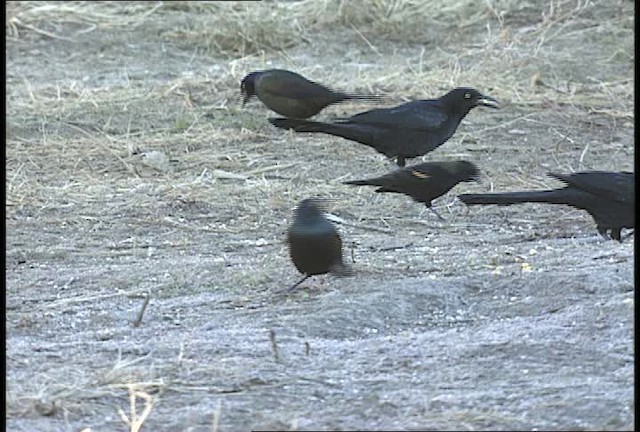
pixel 488 101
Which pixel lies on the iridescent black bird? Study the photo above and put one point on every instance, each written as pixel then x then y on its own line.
pixel 424 182
pixel 292 95
pixel 315 246
pixel 405 131
pixel 609 197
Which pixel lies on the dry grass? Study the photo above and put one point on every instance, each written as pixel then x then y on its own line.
pixel 133 420
pixel 458 42
pixel 504 46
pixel 240 29
pixel 137 166
pixel 48 18
pixel 525 54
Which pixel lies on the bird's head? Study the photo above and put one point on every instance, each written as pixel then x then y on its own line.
pixel 312 208
pixel 462 99
pixel 248 87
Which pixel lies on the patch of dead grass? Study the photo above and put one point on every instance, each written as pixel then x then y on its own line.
pixel 234 176
pixel 523 53
pixel 47 18
pixel 240 29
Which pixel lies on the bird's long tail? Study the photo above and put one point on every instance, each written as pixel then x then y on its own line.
pixel 365 97
pixel 342 270
pixel 367 182
pixel 298 125
pixel 351 132
pixel 558 196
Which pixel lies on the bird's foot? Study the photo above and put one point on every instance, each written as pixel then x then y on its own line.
pixel 440 218
pixel 294 286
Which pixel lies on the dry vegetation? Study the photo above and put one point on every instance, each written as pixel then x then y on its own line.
pixel 131 169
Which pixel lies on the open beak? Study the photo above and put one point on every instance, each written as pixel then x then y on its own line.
pixel 488 101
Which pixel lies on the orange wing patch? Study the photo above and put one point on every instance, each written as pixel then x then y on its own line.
pixel 420 174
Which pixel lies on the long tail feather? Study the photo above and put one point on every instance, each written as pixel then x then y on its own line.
pixel 558 196
pixel 357 133
pixel 368 182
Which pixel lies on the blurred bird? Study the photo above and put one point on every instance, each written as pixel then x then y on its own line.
pixel 405 131
pixel 609 197
pixel 424 182
pixel 315 246
pixel 292 95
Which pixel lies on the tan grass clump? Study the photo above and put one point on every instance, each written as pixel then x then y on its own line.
pixel 240 29
pixel 134 420
pixel 413 21
pixel 523 53
pixel 45 17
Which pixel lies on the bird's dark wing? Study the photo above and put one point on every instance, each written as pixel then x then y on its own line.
pixel 416 115
pixel 617 186
pixel 399 180
pixel 293 87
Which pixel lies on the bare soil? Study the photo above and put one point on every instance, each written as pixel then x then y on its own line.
pixel 132 171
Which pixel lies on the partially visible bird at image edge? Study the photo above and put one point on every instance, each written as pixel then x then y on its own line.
pixel 609 197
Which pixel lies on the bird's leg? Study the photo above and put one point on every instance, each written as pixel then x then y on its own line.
pixel 615 234
pixel 306 276
pixel 603 232
pixel 466 210
pixel 392 163
pixel 400 161
pixel 436 213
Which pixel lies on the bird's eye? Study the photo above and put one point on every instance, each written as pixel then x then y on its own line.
pixel 467 95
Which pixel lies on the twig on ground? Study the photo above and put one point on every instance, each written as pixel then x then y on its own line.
pixel 274 345
pixel 216 417
pixel 390 248
pixel 138 319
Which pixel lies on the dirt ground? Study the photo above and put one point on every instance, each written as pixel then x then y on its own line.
pixel 132 171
